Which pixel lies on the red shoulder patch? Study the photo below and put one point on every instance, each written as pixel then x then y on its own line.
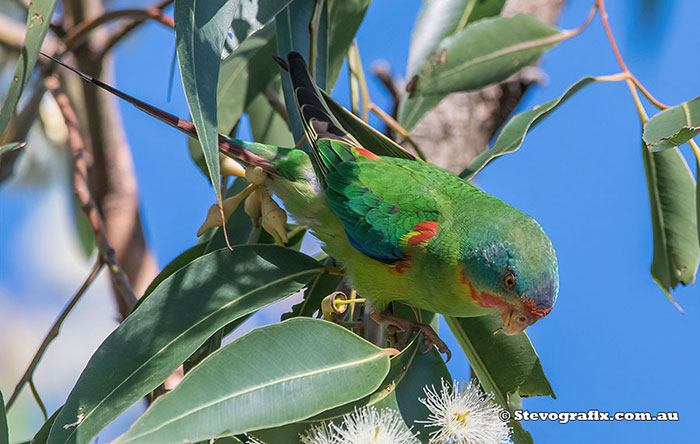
pixel 422 232
pixel 366 153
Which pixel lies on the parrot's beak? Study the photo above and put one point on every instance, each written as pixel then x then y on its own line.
pixel 514 321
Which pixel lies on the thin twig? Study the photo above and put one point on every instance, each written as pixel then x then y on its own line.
pixel 355 65
pixel 125 30
pixel 600 4
pixel 53 333
pixel 277 105
pixel 37 398
pixel 314 26
pixel 393 124
pixel 81 30
pixel 82 191
pixel 696 151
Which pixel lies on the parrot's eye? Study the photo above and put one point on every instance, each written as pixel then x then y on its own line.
pixel 509 281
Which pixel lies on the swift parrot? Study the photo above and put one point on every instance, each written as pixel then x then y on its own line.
pixel 404 229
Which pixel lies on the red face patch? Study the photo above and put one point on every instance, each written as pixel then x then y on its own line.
pixel 484 298
pixel 534 310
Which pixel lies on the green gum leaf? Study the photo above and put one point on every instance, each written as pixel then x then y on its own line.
pixel 674 222
pixel 179 315
pixel 511 136
pixel 437 20
pixel 238 389
pixel 38 19
pixel 673 127
pixel 486 52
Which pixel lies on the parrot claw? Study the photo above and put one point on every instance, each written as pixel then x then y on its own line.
pixel 396 324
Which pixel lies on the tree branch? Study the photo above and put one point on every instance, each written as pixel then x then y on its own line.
pixel 82 191
pixel 53 333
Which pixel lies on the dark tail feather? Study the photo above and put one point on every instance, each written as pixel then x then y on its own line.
pixel 226 144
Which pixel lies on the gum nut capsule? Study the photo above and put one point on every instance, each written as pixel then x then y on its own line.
pixel 252 206
pixel 230 167
pixel 255 175
pixel 213 220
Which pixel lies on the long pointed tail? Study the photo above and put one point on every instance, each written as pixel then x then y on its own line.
pixel 226 145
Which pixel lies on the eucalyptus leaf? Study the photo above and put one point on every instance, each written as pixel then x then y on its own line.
pixel 266 124
pixel 245 75
pixel 513 133
pixel 11 147
pixel 200 30
pixel 293 34
pixel 318 365
pixel 4 432
pixel 674 126
pixel 368 137
pixel 180 314
pixel 344 19
pixel 486 52
pixel 42 435
pixel 251 15
pixel 441 19
pixel 383 397
pixel 502 363
pixel 319 288
pixel 436 21
pixel 506 366
pixel 673 219
pixel 39 16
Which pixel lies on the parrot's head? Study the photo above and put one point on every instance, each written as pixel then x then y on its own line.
pixel 511 267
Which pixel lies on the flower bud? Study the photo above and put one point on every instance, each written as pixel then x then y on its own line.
pixel 252 207
pixel 229 206
pixel 230 167
pixel 274 218
pixel 255 175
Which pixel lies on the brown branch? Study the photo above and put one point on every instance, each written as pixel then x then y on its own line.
pixel 53 333
pixel 111 171
pixel 78 33
pixel 276 104
pixel 126 29
pixel 82 192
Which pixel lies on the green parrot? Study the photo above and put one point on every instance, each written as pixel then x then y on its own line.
pixel 404 229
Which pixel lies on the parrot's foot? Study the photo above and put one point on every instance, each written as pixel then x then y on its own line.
pixel 395 324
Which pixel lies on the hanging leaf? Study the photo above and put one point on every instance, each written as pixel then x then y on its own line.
pixel 244 75
pixel 435 22
pixel 344 19
pixel 368 137
pixel 383 397
pixel 673 219
pixel 200 30
pixel 249 16
pixel 674 126
pixel 238 388
pixel 180 314
pixel 266 124
pixel 293 25
pixel 486 52
pixel 319 288
pixel 4 432
pixel 42 435
pixel 506 366
pixel 39 16
pixel 513 133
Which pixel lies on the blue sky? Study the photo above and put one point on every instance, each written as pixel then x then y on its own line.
pixel 613 341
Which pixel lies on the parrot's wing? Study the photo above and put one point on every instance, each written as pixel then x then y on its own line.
pixel 384 204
